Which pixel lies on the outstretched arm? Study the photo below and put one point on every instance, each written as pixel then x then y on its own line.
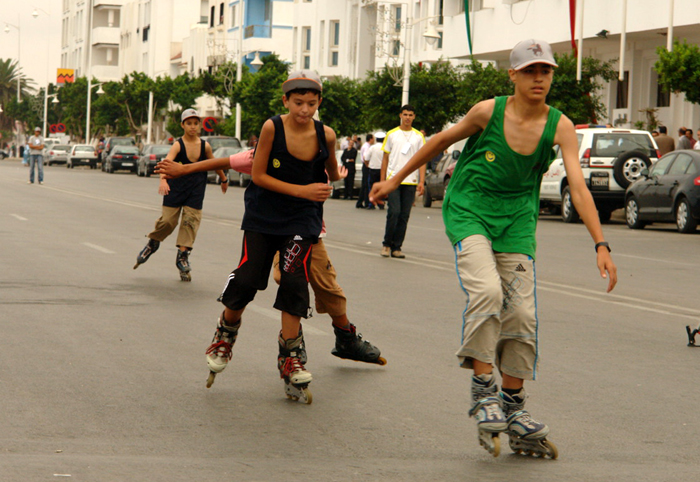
pixel 163 186
pixel 169 169
pixel 565 137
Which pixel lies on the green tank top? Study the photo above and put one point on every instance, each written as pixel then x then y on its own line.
pixel 494 191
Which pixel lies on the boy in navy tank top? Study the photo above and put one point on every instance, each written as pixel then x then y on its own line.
pixel 490 213
pixel 184 196
pixel 283 213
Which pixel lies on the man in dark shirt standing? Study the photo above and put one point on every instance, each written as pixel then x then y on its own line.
pixel 664 141
pixel 348 158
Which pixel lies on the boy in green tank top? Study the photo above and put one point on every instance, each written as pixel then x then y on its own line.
pixel 490 213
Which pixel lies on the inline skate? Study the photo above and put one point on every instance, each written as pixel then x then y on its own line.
pixel 526 436
pixel 350 346
pixel 151 247
pixel 183 264
pixel 488 412
pixel 292 371
pixel 219 352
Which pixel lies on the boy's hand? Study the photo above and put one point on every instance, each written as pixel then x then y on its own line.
pixel 380 190
pixel 163 187
pixel 606 265
pixel 224 187
pixel 170 169
pixel 342 172
pixel 317 192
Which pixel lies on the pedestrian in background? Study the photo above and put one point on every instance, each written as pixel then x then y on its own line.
pixel 36 156
pixel 363 197
pixel 665 142
pixel 348 158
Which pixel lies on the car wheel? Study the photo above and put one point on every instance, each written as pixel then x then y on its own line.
pixel 427 199
pixel 627 168
pixel 684 220
pixel 568 211
pixel 632 214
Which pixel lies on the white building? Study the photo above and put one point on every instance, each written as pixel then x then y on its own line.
pixel 350 37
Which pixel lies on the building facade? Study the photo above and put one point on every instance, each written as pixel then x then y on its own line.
pixel 348 38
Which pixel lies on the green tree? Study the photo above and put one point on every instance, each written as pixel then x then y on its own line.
pixel 9 72
pixel 340 108
pixel 435 94
pixel 580 100
pixel 482 82
pixel 679 70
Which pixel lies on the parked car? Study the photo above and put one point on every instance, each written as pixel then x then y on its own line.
pixel 437 180
pixel 611 160
pixel 121 158
pixel 669 192
pixel 82 155
pixel 49 142
pixel 221 141
pixel 234 177
pixel 152 154
pixel 58 154
pixel 110 142
pixel 338 187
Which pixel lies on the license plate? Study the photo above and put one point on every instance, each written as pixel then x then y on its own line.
pixel 600 182
pixel 127 163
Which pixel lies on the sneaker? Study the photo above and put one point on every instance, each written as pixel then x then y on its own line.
pixel 386 251
pixel 398 254
pixel 41 183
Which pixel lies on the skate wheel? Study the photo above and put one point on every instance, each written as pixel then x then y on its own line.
pixel 210 379
pixel 185 276
pixel 308 398
pixel 137 265
pixel 496 447
pixel 381 361
pixel 551 449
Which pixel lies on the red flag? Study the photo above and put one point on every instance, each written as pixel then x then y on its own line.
pixel 572 23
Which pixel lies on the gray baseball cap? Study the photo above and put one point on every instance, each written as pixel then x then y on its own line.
pixel 187 113
pixel 37 128
pixel 530 52
pixel 302 79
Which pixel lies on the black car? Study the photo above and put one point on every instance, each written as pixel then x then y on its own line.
pixel 669 192
pixel 436 181
pixel 152 154
pixel 110 142
pixel 122 158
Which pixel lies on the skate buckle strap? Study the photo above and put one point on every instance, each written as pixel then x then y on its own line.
pixel 487 403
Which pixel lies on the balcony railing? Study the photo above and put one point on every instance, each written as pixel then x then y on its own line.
pixel 258 31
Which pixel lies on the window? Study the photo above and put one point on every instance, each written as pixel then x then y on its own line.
pixel 396 48
pixel 335 33
pixel 439 42
pixel 221 13
pixel 306 38
pixel 659 169
pixel 234 16
pixel 623 92
pixel 681 165
pixel 663 97
pixel 334 59
pixel 441 12
pixel 211 16
pixel 397 18
pixel 307 62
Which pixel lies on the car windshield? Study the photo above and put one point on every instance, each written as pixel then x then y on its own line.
pixel 60 147
pixel 615 143
pixel 84 149
pixel 223 142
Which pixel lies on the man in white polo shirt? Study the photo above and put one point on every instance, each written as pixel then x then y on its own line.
pixel 399 147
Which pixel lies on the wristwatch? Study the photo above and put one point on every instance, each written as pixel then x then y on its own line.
pixel 602 243
pixel 224 181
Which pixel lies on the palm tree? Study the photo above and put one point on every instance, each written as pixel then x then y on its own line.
pixel 9 72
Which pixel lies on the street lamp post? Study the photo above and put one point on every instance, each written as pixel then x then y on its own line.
pixel 46 105
pixel 430 34
pixel 7 30
pixel 89 105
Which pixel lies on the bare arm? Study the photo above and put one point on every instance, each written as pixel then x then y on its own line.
pixel 331 162
pixel 565 137
pixel 164 187
pixel 170 169
pixel 313 192
pixel 475 120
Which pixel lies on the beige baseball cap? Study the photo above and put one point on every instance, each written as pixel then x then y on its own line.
pixel 302 79
pixel 187 113
pixel 530 52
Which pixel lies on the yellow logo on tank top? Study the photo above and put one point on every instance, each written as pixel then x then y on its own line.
pixel 276 163
pixel 490 156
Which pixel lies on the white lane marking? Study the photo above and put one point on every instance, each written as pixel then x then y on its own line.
pixel 628 301
pixel 682 263
pixel 275 315
pixel 17 216
pixel 99 248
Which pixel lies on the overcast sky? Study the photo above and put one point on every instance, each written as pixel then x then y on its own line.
pixel 40 38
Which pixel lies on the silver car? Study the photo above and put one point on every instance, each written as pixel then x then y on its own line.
pixel 82 155
pixel 58 154
pixel 234 177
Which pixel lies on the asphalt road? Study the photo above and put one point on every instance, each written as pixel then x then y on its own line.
pixel 102 368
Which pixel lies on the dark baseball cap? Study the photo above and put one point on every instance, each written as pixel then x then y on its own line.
pixel 302 79
pixel 530 52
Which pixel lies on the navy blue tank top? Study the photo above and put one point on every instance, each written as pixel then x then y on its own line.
pixel 270 212
pixel 187 190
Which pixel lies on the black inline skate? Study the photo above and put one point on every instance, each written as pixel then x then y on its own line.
pixel 183 264
pixel 350 346
pixel 151 247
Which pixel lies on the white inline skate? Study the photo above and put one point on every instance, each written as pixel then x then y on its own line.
pixel 219 352
pixel 526 435
pixel 292 371
pixel 488 412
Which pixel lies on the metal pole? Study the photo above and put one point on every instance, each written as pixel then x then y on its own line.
pixel 150 117
pixel 623 41
pixel 239 67
pixel 89 75
pixel 19 38
pixel 669 35
pixel 579 53
pixel 406 61
pixel 46 106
